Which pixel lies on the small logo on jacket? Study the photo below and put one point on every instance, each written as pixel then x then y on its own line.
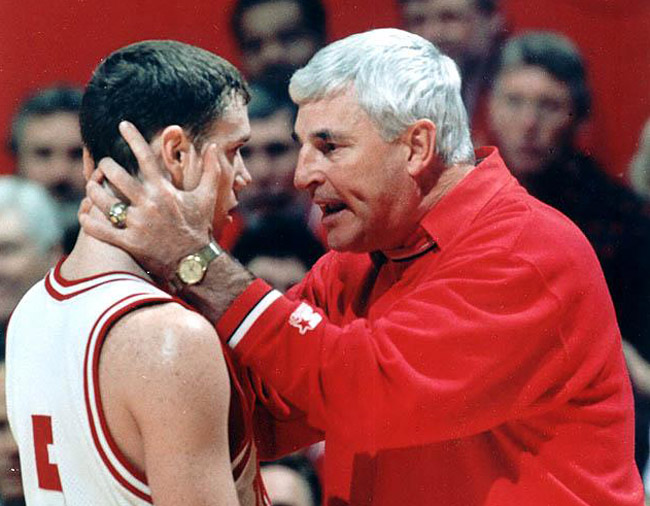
pixel 304 318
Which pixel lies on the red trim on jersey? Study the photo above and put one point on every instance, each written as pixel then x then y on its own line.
pixel 237 312
pixel 59 296
pixel 246 405
pixel 71 282
pixel 95 372
pixel 239 468
pixel 56 274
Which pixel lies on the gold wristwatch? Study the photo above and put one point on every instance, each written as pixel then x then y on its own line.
pixel 191 269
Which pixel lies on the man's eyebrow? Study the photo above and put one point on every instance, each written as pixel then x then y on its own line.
pixel 325 135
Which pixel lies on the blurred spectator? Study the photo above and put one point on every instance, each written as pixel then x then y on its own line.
pixel 538 103
pixel 469 31
pixel 278 249
pixel 640 168
pixel 46 142
pixel 276 37
pixel 11 489
pixel 271 155
pixel 30 238
pixel 292 481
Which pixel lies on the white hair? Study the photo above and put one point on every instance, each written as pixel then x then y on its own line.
pixel 34 204
pixel 398 78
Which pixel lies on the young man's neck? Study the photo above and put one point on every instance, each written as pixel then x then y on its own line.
pixel 90 257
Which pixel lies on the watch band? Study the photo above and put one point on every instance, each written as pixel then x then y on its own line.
pixel 192 268
pixel 209 252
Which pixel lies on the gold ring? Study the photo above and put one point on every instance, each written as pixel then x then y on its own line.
pixel 117 214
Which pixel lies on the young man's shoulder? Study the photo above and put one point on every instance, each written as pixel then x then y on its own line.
pixel 163 336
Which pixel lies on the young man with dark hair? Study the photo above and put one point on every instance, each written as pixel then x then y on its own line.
pixel 471 33
pixel 276 37
pixel 539 102
pixel 117 392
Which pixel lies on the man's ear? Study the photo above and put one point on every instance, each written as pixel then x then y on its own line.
pixel 421 141
pixel 176 150
pixel 88 164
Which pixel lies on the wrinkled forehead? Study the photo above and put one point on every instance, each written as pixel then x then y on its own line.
pixel 336 112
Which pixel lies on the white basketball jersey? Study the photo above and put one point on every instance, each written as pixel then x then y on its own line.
pixel 54 339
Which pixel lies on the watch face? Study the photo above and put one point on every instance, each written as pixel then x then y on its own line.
pixel 190 270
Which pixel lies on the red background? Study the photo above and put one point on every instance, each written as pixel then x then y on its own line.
pixel 62 40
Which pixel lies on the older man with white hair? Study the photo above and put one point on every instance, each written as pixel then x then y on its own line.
pixel 30 243
pixel 30 240
pixel 458 346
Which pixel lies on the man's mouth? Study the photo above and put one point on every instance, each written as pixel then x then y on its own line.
pixel 332 208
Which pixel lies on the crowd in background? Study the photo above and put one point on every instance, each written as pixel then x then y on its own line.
pixel 528 94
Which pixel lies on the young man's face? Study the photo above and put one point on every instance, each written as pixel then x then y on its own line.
pixel 457 27
pixel 271 156
pixel 230 132
pixel 532 117
pixel 280 272
pixel 276 41
pixel 50 153
pixel 286 486
pixel 359 181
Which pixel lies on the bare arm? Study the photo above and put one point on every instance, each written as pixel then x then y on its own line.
pixel 167 395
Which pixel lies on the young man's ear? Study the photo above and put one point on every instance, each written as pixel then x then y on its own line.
pixel 421 141
pixel 176 151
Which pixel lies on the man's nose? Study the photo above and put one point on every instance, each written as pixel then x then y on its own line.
pixel 242 176
pixel 529 117
pixel 308 171
pixel 272 51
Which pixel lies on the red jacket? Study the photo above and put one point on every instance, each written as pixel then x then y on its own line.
pixel 486 370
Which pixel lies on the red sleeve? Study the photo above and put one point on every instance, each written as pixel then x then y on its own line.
pixel 276 437
pixel 482 341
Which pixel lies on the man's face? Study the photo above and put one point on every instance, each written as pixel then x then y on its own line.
pixel 50 152
pixel 271 156
pixel 10 484
pixel 359 181
pixel 229 133
pixel 22 262
pixel 532 117
pixel 285 486
pixel 280 272
pixel 275 41
pixel 457 27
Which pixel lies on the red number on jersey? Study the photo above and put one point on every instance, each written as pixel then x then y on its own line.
pixel 48 473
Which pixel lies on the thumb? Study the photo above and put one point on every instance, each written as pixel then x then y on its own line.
pixel 211 169
pixel 206 193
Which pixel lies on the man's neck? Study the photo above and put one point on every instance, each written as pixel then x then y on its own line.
pixel 445 183
pixel 90 257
